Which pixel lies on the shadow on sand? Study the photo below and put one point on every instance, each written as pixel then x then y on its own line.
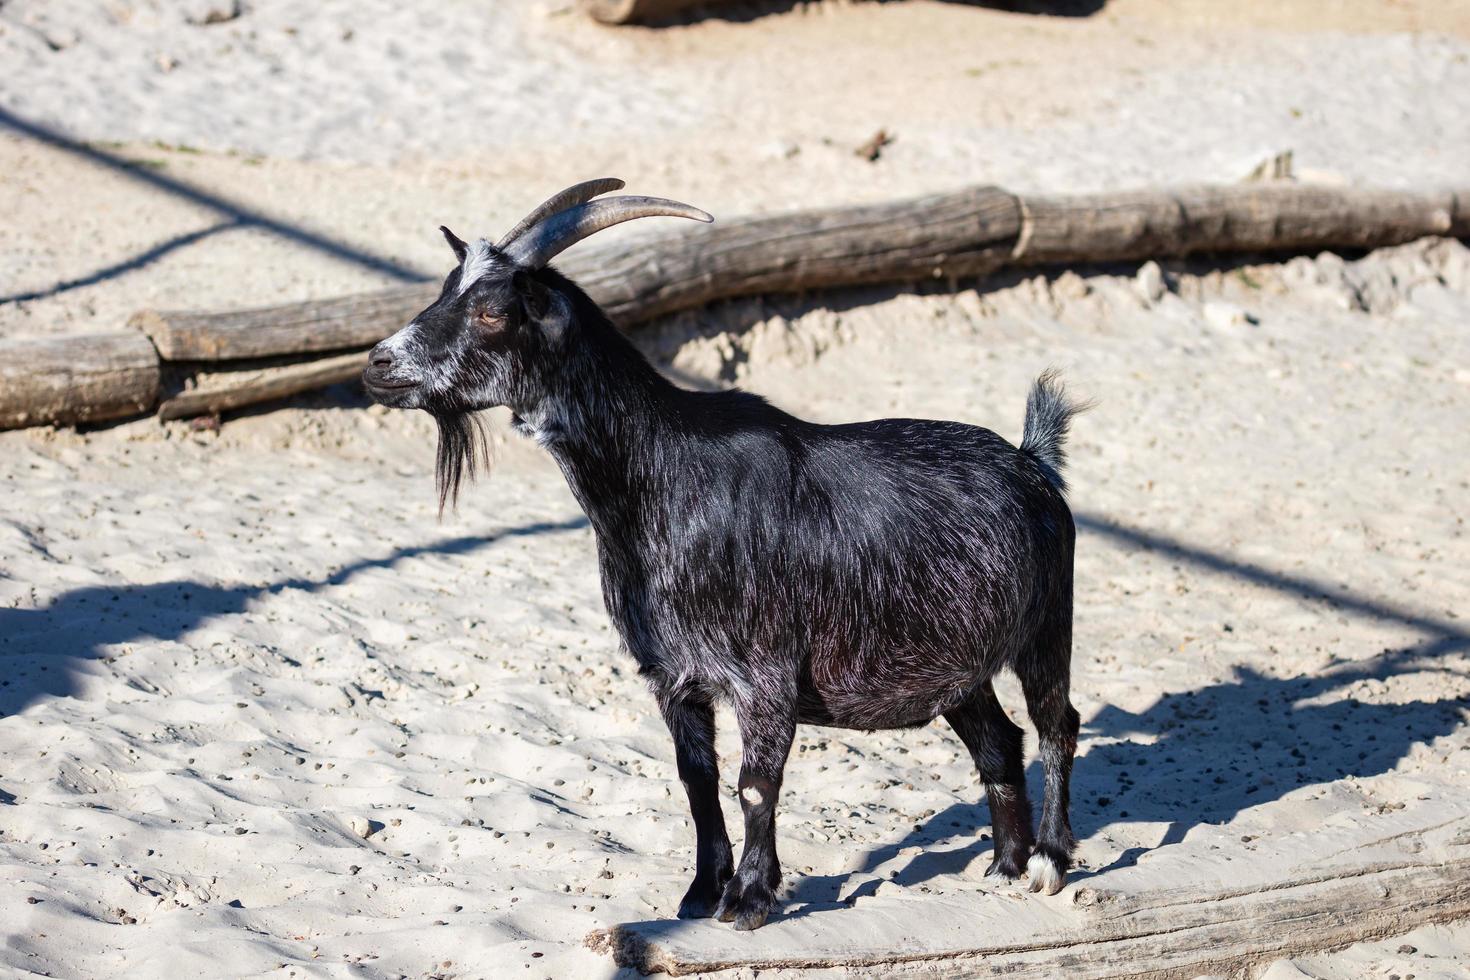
pixel 38 647
pixel 1211 753
pixel 232 213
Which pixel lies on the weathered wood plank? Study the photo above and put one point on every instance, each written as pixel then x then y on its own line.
pixel 64 380
pixel 1225 918
pixel 1167 941
pixel 225 390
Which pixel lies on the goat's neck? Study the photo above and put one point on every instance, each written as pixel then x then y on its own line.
pixel 603 419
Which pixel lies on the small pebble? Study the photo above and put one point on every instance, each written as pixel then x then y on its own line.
pixel 779 150
pixel 1150 282
pixel 1226 316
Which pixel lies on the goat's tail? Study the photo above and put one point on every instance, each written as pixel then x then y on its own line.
pixel 1048 416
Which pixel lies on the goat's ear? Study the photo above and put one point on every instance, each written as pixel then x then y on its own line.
pixel 461 248
pixel 544 307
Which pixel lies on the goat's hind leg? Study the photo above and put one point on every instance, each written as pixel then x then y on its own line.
pixel 1045 673
pixel 995 743
pixel 692 723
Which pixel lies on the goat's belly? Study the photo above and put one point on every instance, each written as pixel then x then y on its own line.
pixel 883 701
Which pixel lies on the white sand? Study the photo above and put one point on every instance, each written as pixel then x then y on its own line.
pixel 226 655
pixel 740 117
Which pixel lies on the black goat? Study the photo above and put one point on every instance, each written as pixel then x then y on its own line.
pixel 873 575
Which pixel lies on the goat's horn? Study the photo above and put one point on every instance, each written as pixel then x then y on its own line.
pixel 569 198
pixel 540 245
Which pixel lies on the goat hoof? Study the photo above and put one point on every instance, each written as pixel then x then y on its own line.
pixel 729 900
pixel 753 919
pixel 747 905
pixel 699 901
pixel 696 907
pixel 1007 866
pixel 1046 872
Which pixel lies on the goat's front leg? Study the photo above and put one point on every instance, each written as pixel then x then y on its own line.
pixel 692 723
pixel 766 731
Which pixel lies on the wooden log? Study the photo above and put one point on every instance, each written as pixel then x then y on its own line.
pixel 639 11
pixel 65 380
pixel 295 328
pixel 967 233
pixel 221 391
pixel 1243 218
pixel 1460 222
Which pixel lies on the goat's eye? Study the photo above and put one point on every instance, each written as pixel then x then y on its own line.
pixel 489 320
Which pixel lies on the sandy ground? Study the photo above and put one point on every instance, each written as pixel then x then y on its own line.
pixel 374 141
pixel 265 714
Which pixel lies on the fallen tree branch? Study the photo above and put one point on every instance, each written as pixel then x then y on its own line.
pixel 90 378
pixel 963 234
pixel 967 233
pixel 222 391
pixel 1276 217
pixel 313 327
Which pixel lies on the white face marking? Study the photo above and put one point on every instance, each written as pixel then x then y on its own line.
pixel 752 796
pixel 477 262
pixel 397 345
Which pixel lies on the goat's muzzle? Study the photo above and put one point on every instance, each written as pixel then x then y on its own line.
pixel 383 380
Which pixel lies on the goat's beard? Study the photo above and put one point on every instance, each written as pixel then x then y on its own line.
pixel 464 450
